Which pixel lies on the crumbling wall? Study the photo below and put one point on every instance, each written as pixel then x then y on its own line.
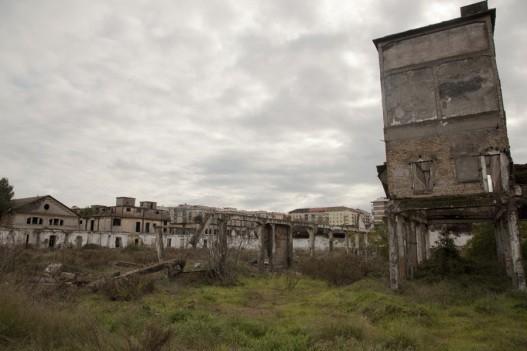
pixel 450 154
pixel 442 103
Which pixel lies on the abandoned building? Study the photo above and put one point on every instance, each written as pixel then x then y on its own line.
pixel 447 150
pixel 40 212
pixel 125 217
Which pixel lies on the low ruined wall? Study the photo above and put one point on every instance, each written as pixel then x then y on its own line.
pixel 59 238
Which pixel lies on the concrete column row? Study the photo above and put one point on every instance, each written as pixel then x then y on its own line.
pixel 267 235
pixel 409 246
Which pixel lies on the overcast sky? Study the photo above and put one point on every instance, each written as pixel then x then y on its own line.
pixel 252 104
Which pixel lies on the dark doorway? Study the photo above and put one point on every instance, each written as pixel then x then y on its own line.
pixel 78 242
pixel 118 242
pixel 52 241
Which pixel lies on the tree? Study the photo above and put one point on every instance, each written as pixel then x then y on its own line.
pixel 6 194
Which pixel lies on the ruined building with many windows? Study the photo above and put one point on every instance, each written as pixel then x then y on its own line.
pixel 125 217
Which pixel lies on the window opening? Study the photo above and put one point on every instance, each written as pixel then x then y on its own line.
pixel 422 176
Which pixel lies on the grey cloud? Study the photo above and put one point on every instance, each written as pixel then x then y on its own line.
pixel 271 105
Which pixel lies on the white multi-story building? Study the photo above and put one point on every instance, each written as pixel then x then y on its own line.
pixel 338 216
pixel 378 209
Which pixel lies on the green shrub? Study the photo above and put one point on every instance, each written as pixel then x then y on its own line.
pixel 482 246
pixel 445 261
pixel 341 269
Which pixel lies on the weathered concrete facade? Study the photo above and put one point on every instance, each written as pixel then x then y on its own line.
pixel 40 212
pixel 125 217
pixel 447 150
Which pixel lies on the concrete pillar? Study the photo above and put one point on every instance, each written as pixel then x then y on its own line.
pixel 505 246
pixel 290 251
pixel 428 251
pixel 366 240
pixel 347 238
pixel 357 243
pixel 412 248
pixel 311 232
pixel 518 277
pixel 393 251
pixel 272 248
pixel 261 254
pixel 501 235
pixel 159 244
pixel 400 228
pixel 330 238
pixel 420 242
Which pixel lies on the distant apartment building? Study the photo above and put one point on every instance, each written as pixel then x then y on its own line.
pixel 379 209
pixel 40 212
pixel 338 216
pixel 125 217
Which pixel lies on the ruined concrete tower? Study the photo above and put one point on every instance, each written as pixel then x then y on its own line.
pixel 447 150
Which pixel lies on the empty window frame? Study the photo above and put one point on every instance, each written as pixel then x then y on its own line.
pixel 117 222
pixel 137 227
pixel 147 227
pixel 422 182
pixel 491 172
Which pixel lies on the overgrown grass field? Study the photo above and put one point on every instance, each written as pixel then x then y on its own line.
pixel 288 311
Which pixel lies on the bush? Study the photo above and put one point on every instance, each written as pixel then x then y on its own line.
pixel 445 261
pixel 482 247
pixel 127 289
pixel 341 269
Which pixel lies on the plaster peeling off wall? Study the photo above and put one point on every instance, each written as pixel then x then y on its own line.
pixel 424 48
pixel 467 87
pixel 410 97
